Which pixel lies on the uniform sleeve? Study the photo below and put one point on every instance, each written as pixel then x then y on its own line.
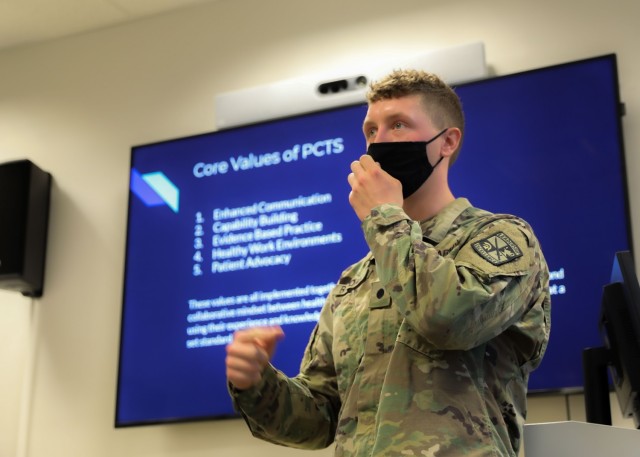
pixel 298 412
pixel 456 302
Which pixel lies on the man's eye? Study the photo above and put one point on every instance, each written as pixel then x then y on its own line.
pixel 398 125
pixel 371 132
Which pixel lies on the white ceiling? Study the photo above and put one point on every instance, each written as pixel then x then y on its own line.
pixel 31 21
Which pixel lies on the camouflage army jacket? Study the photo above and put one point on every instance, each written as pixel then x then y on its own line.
pixel 423 348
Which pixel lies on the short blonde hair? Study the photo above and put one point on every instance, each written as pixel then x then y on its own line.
pixel 440 101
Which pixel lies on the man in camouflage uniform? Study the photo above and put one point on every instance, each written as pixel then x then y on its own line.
pixel 425 346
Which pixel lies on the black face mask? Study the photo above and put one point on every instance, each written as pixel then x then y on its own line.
pixel 406 161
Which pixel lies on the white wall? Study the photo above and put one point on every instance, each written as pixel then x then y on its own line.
pixel 75 107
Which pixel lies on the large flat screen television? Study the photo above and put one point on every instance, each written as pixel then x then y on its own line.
pixel 252 225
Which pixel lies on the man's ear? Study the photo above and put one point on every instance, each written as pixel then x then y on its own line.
pixel 451 141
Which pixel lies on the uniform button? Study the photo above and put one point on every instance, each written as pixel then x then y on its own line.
pixel 380 293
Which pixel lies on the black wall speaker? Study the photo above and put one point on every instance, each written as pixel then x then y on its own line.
pixel 24 218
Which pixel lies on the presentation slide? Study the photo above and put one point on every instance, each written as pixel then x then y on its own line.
pixel 252 226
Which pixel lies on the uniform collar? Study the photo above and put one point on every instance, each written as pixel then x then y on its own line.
pixel 436 228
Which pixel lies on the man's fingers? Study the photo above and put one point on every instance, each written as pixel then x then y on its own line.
pixel 262 334
pixel 247 351
pixel 366 162
pixel 355 167
pixel 246 358
pixel 242 377
pixel 363 165
pixel 263 338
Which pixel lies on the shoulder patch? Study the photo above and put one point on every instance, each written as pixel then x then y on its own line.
pixel 497 249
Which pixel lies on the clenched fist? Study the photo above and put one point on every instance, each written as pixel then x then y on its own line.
pixel 371 186
pixel 249 353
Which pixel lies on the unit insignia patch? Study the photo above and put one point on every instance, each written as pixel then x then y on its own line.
pixel 497 249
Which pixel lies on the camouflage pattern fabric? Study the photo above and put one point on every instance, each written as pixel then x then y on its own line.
pixel 423 348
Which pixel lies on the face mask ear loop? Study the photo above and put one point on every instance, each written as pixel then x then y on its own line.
pixel 432 140
pixel 437 136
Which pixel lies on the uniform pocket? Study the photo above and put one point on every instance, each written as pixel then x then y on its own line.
pixel 409 337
